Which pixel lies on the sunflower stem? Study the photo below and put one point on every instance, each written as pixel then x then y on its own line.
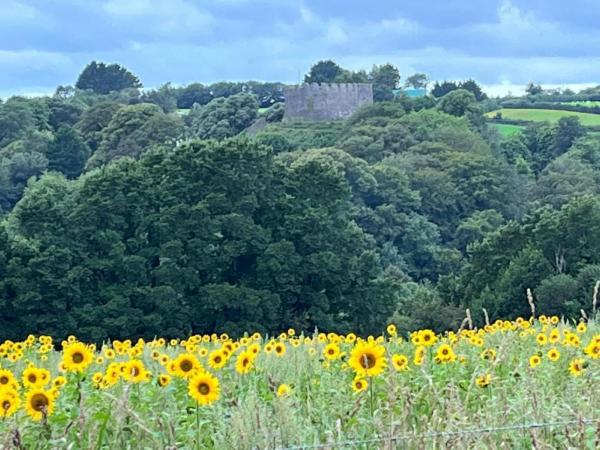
pixel 198 425
pixel 371 395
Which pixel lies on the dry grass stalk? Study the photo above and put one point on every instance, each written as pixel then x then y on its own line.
pixel 530 301
pixel 469 320
pixel 595 297
pixel 487 318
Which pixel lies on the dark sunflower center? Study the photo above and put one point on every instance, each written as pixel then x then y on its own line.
pixel 135 371
pixel 39 402
pixel 6 405
pixel 77 358
pixel 245 362
pixel 445 351
pixel 331 351
pixel 358 385
pixel 217 359
pixel 186 365
pixel 32 378
pixel 203 388
pixel 4 379
pixel 426 337
pixel 368 361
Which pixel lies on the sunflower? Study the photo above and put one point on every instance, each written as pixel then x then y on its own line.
pixel 283 390
pixel 427 338
pixel 254 348
pixel 541 339
pixel 39 404
pixel 359 384
pixel 77 357
pixel 134 371
pixel 9 402
pixel 279 349
pixel 535 361
pixel 163 380
pixel 391 329
pixel 97 378
pixel 204 388
pixel 331 352
pixel 35 378
pixel 554 336
pixel 577 366
pixel 553 354
pixel 217 359
pixel 445 353
pixel 400 362
pixel 581 328
pixel 488 354
pixel 185 365
pixel 59 381
pixel 593 350
pixel 244 362
pixel 367 359
pixel 419 355
pixel 483 380
pixel 7 378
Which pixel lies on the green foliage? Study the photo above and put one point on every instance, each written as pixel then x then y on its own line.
pixel 133 129
pixel 323 72
pixel 385 79
pixel 234 230
pixel 546 253
pixel 94 120
pixel 223 117
pixel 68 153
pixel 103 79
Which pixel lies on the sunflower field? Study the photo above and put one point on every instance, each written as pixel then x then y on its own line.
pixel 520 384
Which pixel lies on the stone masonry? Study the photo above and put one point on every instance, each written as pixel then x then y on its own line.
pixel 325 101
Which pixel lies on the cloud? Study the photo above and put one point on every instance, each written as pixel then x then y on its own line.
pixel 499 41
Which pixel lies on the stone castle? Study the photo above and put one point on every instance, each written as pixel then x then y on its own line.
pixel 325 101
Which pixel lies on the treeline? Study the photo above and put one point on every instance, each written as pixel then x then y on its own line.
pixel 123 219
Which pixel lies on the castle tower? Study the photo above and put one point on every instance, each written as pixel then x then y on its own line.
pixel 325 101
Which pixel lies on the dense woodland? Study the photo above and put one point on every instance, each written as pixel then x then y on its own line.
pixel 131 212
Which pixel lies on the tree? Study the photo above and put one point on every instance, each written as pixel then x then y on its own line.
pixel 133 129
pixel 68 153
pixel 473 88
pixel 194 93
pixel 568 129
pixel 533 89
pixel 94 120
pixel 223 117
pixel 458 103
pixel 165 97
pixel 417 81
pixel 441 89
pixel 103 79
pixel 63 113
pixel 385 79
pixel 323 72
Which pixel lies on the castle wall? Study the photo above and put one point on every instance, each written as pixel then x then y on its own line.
pixel 326 101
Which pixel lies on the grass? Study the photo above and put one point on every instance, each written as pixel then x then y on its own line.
pixel 582 103
pixel 507 130
pixel 302 390
pixel 545 115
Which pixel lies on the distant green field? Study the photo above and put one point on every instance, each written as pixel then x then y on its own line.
pixel 507 130
pixel 582 103
pixel 545 115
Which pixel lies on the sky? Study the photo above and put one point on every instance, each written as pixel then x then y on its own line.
pixel 503 44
